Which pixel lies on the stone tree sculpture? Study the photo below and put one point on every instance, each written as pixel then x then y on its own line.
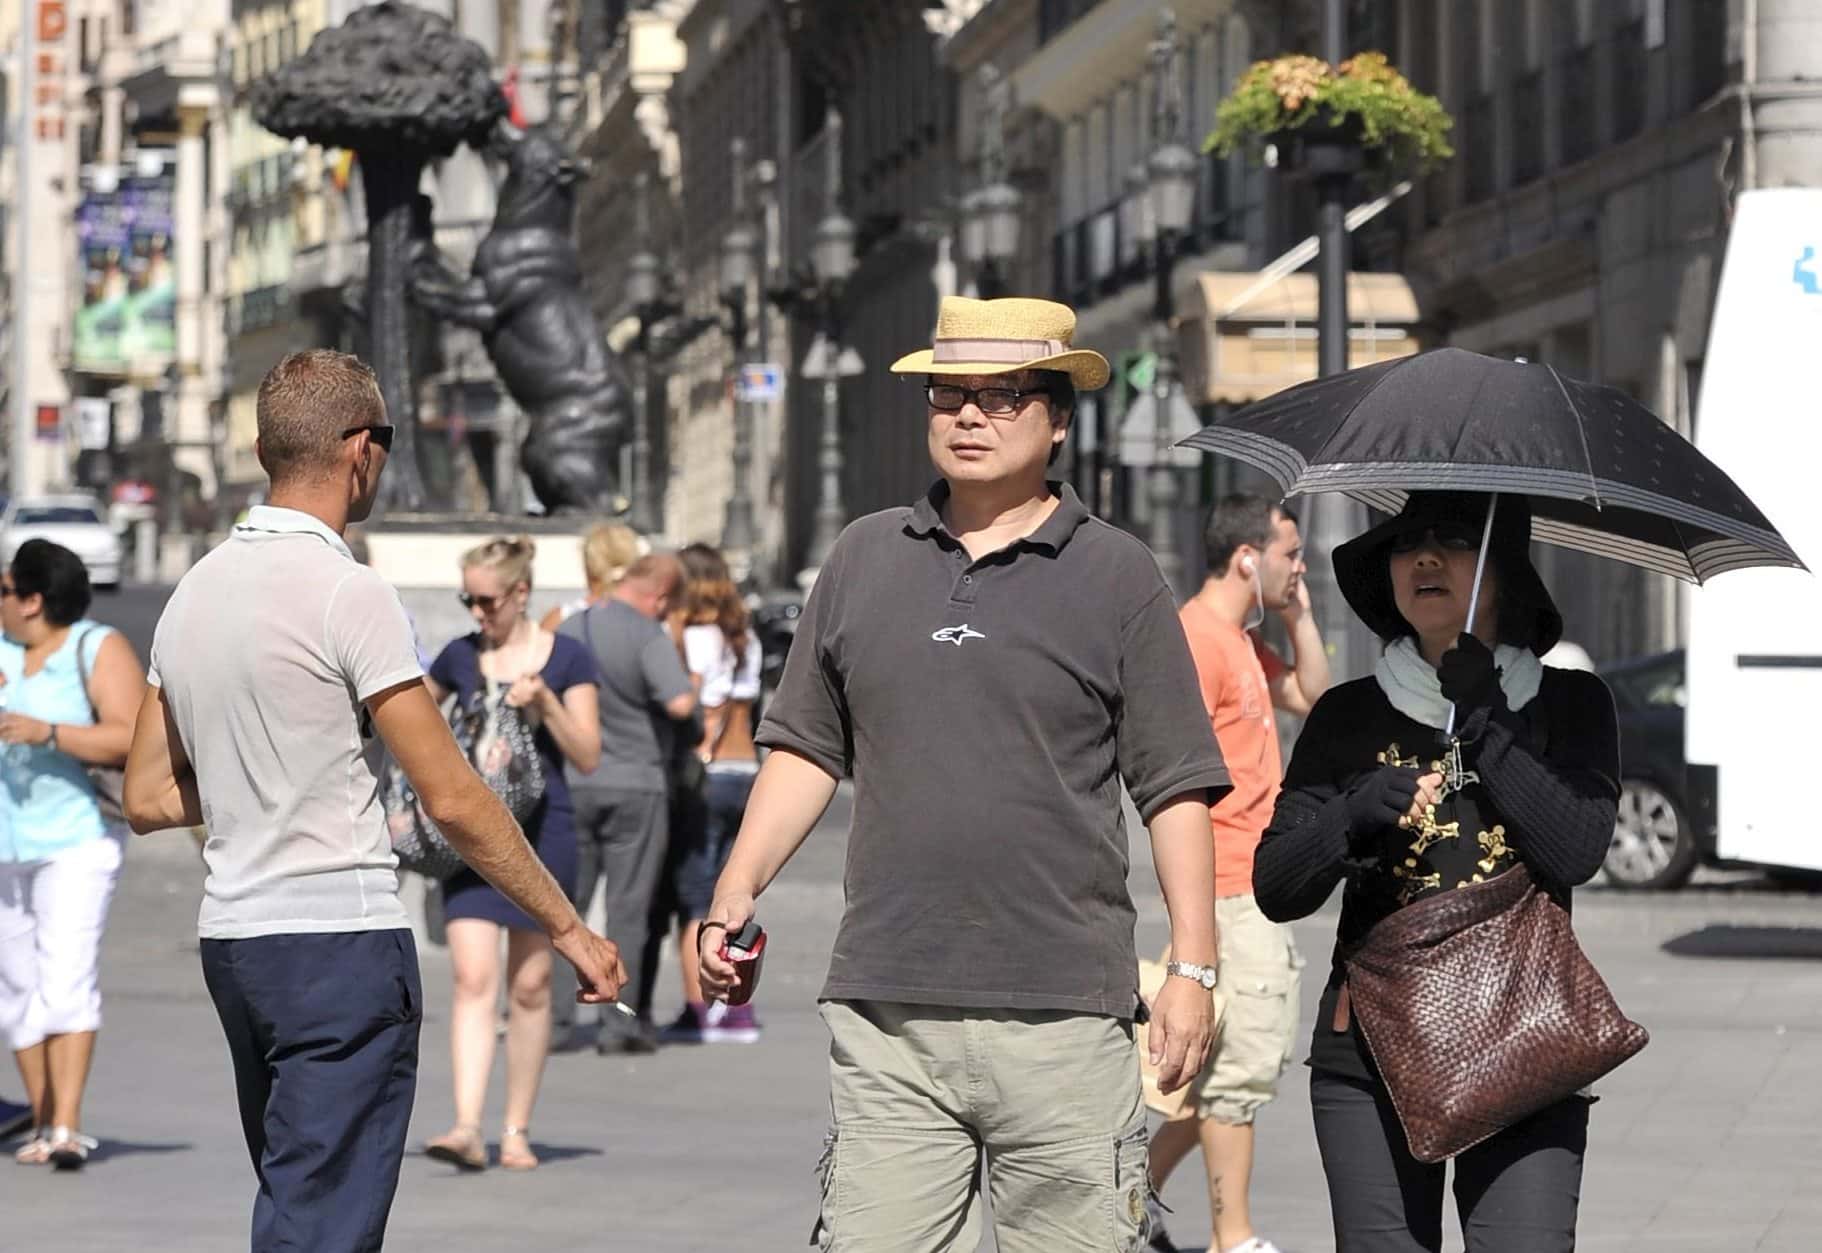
pixel 399 87
pixel 524 295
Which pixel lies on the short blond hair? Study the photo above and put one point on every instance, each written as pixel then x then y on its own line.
pixel 305 402
pixel 608 548
pixel 508 556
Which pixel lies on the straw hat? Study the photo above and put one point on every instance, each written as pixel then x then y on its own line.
pixel 1000 336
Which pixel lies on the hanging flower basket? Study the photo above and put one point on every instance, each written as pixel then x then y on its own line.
pixel 1328 120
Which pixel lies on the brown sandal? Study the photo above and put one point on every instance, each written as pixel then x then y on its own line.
pixel 517 1159
pixel 461 1146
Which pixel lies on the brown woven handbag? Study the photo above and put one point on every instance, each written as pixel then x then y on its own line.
pixel 1479 1008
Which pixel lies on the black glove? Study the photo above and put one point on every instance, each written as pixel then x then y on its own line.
pixel 1470 681
pixel 1378 800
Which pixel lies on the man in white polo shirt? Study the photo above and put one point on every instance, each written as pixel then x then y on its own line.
pixel 274 657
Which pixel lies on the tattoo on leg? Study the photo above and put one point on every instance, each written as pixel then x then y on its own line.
pixel 1215 1188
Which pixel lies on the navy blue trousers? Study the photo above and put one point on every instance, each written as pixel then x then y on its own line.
pixel 323 1033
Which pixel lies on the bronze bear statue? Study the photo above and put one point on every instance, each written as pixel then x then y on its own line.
pixel 525 297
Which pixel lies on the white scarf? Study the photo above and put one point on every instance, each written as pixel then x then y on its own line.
pixel 1412 686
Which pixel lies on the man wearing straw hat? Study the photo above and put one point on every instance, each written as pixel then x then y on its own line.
pixel 988 666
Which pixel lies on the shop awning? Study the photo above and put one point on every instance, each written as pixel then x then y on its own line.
pixel 1245 337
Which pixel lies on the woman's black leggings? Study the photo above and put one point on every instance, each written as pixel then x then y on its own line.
pixel 1517 1192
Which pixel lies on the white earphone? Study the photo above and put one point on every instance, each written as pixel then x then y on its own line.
pixel 1247 566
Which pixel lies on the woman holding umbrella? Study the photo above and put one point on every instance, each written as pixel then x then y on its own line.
pixel 1463 790
pixel 1379 794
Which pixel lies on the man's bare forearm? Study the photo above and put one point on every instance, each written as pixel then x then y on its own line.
pixel 789 796
pixel 480 827
pixel 178 805
pixel 1183 849
pixel 1309 660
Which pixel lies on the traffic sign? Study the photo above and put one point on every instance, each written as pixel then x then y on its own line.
pixel 816 361
pixel 1139 436
pixel 759 381
pixel 1142 370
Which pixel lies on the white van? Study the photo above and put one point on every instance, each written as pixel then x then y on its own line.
pixel 1755 636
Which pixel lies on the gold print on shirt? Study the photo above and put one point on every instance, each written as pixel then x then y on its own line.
pixel 1414 883
pixel 1499 853
pixel 1429 832
pixel 1392 757
pixel 1415 875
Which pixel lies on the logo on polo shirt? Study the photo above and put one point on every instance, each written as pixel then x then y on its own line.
pixel 956 635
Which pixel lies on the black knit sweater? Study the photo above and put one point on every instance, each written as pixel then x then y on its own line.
pixel 1545 796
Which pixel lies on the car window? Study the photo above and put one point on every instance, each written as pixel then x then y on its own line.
pixel 42 515
pixel 1654 687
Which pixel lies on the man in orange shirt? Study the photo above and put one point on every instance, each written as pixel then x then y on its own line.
pixel 1255 566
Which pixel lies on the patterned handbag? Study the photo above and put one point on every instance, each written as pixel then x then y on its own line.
pixel 500 744
pixel 417 842
pixel 1479 1008
pixel 502 747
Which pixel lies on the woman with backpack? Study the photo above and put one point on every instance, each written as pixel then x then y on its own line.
pixel 70 689
pixel 510 668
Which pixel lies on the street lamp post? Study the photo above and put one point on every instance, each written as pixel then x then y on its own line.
pixel 738 266
pixel 990 213
pixel 1333 519
pixel 644 294
pixel 832 262
pixel 1165 217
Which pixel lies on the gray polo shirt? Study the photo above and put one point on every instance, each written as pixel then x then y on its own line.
pixel 640 671
pixel 988 712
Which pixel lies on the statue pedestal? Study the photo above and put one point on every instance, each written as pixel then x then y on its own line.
pixel 421 555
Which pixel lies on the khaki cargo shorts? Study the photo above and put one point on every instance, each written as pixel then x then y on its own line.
pixel 918 1092
pixel 1259 976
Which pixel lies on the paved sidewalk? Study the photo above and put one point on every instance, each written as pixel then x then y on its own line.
pixel 1710 1140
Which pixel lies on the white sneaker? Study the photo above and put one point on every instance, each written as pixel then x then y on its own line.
pixel 1256 1244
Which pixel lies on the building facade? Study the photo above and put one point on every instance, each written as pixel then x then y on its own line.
pixel 1584 222
pixel 115 272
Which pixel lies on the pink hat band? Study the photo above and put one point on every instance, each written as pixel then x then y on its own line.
pixel 999 351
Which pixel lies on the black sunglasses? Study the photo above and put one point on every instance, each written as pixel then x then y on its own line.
pixel 997 401
pixel 381 435
pixel 486 604
pixel 1457 536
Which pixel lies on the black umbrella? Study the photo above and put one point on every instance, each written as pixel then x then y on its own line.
pixel 1603 473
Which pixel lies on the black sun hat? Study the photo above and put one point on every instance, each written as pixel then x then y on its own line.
pixel 1363 572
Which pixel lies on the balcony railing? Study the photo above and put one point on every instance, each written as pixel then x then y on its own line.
pixel 256 309
pixel 1094 257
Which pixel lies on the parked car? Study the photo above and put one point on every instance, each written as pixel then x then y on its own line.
pixel 1666 822
pixel 775 619
pixel 74 521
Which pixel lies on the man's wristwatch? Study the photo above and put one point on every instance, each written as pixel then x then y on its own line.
pixel 1204 975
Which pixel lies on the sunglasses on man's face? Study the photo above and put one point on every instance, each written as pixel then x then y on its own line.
pixel 381 435
pixel 1452 536
pixel 994 401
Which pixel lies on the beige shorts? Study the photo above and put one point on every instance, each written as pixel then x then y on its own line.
pixel 1259 978
pixel 917 1093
